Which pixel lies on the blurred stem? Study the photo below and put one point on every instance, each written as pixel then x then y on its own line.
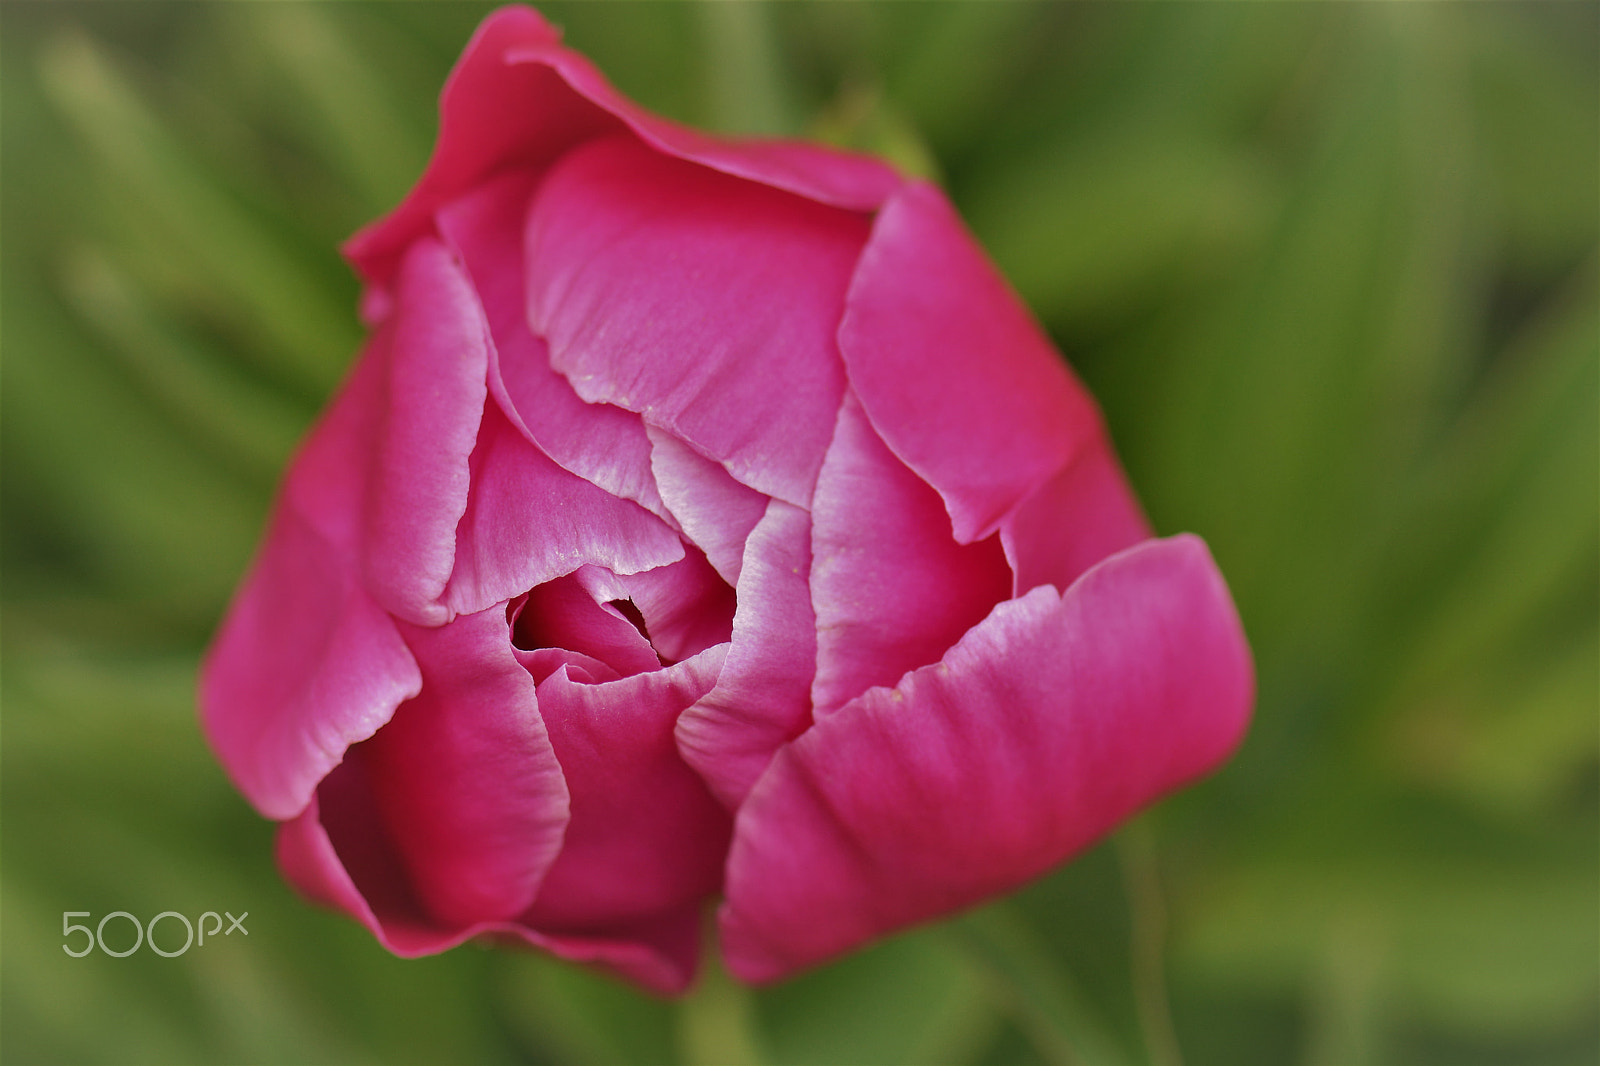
pixel 717 1023
pixel 1033 989
pixel 746 85
pixel 1136 852
pixel 1346 995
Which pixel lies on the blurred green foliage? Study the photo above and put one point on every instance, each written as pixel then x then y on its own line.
pixel 1331 269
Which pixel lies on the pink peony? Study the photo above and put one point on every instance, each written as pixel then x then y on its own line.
pixel 703 517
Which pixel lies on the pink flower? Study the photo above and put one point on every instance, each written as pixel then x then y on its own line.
pixel 702 517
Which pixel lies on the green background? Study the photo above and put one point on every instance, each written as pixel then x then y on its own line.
pixel 1332 271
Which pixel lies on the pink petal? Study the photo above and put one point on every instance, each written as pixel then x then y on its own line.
pixel 584 669
pixel 1080 516
pixel 465 777
pixel 327 481
pixel 714 511
pixel 600 443
pixel 565 614
pixel 660 956
pixel 434 390
pixel 686 607
pixel 517 98
pixel 484 228
pixel 363 876
pixel 762 698
pixel 826 175
pixel 1053 720
pixel 659 953
pixel 706 303
pixel 491 114
pixel 646 840
pixel 891 588
pixel 954 374
pixel 304 663
pixel 528 521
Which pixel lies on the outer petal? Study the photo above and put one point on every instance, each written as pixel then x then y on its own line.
pixel 660 954
pixel 305 664
pixel 891 588
pixel 1080 516
pixel 518 98
pixel 364 879
pixel 451 815
pixel 465 776
pixel 435 385
pixel 598 442
pixel 829 176
pixel 646 843
pixel 491 115
pixel 956 377
pixel 1050 722
pixel 327 482
pixel 706 303
pixel 528 521
pixel 763 695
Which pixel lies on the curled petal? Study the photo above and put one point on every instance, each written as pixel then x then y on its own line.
pixel 304 666
pixel 465 778
pixel 956 377
pixel 305 663
pixel 491 114
pixel 566 614
pixel 714 511
pixel 1057 717
pixel 603 444
pixel 1080 516
pixel 450 816
pixel 686 607
pixel 518 97
pixel 660 955
pixel 528 521
pixel 584 669
pixel 891 587
pixel 762 697
pixel 598 442
pixel 828 176
pixel 433 395
pixel 703 302
pixel 323 873
pixel 647 840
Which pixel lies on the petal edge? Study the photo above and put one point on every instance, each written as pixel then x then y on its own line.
pixel 1048 723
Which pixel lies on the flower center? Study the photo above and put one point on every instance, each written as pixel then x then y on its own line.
pixel 633 623
pixel 630 610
